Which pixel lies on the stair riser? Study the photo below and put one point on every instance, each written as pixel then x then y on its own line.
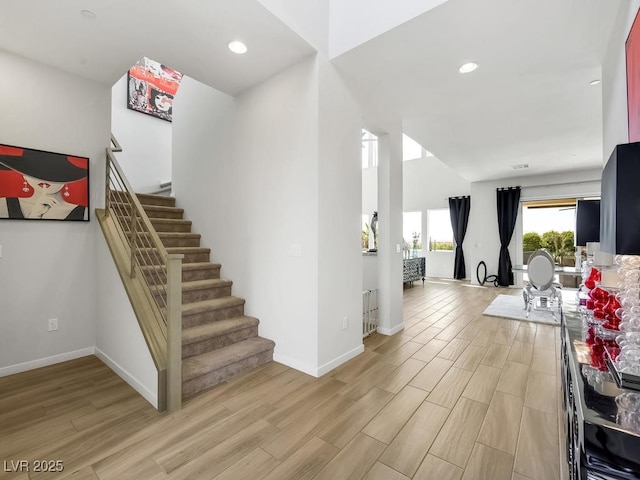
pixel 210 293
pixel 198 384
pixel 171 227
pixel 196 257
pixel 206 294
pixel 212 316
pixel 219 341
pixel 200 274
pixel 181 242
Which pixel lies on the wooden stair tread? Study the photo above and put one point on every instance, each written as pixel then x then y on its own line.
pixel 207 362
pixel 220 327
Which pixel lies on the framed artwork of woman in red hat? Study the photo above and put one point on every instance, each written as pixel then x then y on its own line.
pixel 39 185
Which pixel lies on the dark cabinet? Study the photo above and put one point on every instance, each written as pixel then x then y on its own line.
pixel 598 445
pixel 620 201
pixel 413 269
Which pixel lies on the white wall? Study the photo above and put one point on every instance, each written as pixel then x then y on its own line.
pixel 309 19
pixel 119 340
pixel 427 185
pixel 369 190
pixel 614 81
pixel 482 241
pixel 440 264
pixel 145 141
pixel 370 273
pixel 390 239
pixel 339 221
pixel 48 268
pixel 254 198
pixel 354 22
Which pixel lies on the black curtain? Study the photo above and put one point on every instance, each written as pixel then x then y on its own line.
pixel 459 211
pixel 508 204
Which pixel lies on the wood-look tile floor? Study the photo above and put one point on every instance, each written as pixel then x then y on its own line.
pixel 456 395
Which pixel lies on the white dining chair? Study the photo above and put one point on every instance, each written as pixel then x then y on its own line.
pixel 542 293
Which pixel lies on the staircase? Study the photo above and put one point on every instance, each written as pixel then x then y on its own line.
pixel 218 340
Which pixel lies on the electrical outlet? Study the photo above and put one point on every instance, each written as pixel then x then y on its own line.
pixel 345 323
pixel 53 324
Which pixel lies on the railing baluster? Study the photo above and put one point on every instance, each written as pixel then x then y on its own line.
pixel 162 271
pixel 134 240
pixel 174 331
pixel 107 202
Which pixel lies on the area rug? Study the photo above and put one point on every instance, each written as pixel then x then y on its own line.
pixel 512 306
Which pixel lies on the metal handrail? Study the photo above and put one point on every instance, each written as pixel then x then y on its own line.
pixel 160 271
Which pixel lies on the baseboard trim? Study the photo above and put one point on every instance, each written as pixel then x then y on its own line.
pixel 321 370
pixel 46 361
pixel 391 331
pixel 151 397
pixel 290 362
pixel 336 362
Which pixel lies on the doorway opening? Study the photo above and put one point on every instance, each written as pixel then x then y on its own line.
pixel 550 224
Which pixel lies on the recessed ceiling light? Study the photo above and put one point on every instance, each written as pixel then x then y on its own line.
pixel 238 47
pixel 88 14
pixel 594 82
pixel 468 67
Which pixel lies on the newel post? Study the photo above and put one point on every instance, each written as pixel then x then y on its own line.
pixel 174 332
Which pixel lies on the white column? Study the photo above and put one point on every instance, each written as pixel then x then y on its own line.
pixel 390 231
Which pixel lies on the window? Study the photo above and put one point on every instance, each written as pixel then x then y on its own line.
pixel 412 229
pixel 369 149
pixel 412 150
pixel 366 231
pixel 549 224
pixel 439 230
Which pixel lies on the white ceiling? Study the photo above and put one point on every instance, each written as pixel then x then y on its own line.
pixel 529 102
pixel 190 36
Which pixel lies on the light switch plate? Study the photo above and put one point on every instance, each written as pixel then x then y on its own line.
pixel 52 324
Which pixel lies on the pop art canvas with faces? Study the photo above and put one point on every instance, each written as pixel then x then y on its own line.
pixel 632 51
pixel 151 88
pixel 39 185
